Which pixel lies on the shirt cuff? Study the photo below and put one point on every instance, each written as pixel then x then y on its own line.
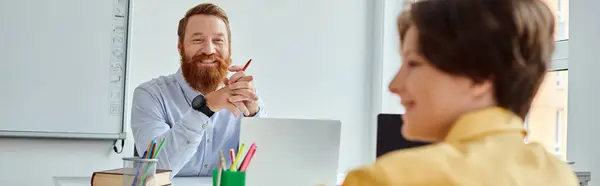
pixel 259 113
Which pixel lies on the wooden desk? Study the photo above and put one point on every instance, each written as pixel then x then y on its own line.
pixel 177 181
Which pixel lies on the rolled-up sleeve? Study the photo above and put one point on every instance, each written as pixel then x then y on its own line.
pixel 148 123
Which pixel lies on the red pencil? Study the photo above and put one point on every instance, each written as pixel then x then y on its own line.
pixel 248 158
pixel 232 156
pixel 247 64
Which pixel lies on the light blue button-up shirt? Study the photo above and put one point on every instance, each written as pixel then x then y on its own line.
pixel 161 109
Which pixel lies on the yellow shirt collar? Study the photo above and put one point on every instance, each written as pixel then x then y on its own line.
pixel 485 122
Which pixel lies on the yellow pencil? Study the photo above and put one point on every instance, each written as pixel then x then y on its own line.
pixel 237 158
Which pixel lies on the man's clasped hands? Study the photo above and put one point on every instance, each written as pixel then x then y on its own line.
pixel 238 94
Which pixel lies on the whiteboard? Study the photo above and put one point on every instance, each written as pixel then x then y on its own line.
pixel 62 68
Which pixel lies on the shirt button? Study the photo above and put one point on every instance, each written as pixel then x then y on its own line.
pixel 203 126
pixel 205 166
pixel 188 142
pixel 208 140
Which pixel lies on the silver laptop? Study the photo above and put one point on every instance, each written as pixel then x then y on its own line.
pixel 292 152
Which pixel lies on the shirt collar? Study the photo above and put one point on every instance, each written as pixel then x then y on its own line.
pixel 485 122
pixel 190 93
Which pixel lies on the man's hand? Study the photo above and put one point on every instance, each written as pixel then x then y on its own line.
pixel 228 96
pixel 240 76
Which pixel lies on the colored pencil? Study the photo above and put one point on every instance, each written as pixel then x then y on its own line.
pixel 223 165
pixel 147 155
pixel 160 147
pixel 139 168
pixel 231 156
pixel 253 146
pixel 247 64
pixel 237 158
pixel 221 168
pixel 249 157
pixel 137 174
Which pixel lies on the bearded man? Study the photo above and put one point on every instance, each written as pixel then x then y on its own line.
pixel 197 110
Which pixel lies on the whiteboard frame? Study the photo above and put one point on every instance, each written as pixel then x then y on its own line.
pixel 62 135
pixel 91 136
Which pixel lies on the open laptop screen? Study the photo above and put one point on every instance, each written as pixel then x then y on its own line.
pixel 389 135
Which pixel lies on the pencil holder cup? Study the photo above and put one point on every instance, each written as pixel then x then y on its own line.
pixel 139 172
pixel 229 178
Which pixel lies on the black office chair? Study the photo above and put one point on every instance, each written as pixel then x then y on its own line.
pixel 389 135
pixel 135 154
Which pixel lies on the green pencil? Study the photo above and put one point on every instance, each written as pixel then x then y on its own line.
pixel 152 156
pixel 159 148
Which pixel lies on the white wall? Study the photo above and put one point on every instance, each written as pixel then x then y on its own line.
pixel 391 56
pixel 584 88
pixel 385 63
pixel 316 62
pixel 310 58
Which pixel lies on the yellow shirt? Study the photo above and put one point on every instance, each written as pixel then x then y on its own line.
pixel 483 148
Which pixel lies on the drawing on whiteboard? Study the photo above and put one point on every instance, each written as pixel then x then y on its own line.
pixel 115 95
pixel 115 109
pixel 117 54
pixel 117 40
pixel 119 28
pixel 116 68
pixel 115 78
pixel 118 13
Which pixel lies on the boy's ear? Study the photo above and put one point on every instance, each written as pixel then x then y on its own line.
pixel 180 47
pixel 482 88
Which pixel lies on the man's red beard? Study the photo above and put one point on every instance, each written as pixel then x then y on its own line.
pixel 204 78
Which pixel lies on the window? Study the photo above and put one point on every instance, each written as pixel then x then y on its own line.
pixel 558 133
pixel 560 11
pixel 560 8
pixel 547 119
pixel 558 80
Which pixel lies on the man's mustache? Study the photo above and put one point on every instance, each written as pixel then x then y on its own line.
pixel 202 57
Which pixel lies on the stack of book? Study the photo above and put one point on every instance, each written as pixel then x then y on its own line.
pixel 115 177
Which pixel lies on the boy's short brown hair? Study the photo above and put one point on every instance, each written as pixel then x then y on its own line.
pixel 509 42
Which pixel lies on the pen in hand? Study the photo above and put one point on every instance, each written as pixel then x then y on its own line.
pixel 247 64
pixel 236 77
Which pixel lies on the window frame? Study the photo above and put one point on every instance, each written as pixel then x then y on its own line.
pixel 560 57
pixel 558 131
pixel 560 62
pixel 560 11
